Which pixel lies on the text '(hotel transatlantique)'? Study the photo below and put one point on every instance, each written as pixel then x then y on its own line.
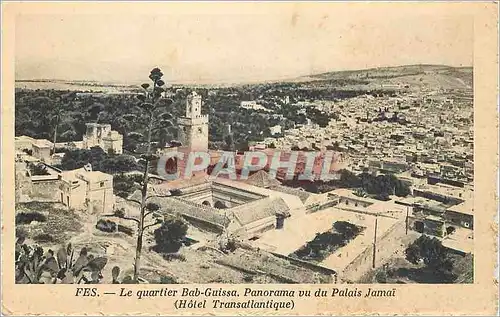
pixel 253 298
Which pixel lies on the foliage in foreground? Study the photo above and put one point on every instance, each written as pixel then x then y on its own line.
pixel 34 266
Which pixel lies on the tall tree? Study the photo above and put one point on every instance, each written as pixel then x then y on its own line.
pixel 55 114
pixel 150 103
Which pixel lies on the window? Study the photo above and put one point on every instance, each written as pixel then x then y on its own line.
pixel 101 184
pixel 466 224
pixel 200 130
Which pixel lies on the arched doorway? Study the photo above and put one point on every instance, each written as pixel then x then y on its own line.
pixel 206 203
pixel 171 165
pixel 220 205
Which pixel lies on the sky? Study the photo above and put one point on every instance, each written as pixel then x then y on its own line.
pixel 234 43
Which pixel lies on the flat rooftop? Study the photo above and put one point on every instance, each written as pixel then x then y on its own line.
pixel 461 239
pixel 467 207
pixel 299 230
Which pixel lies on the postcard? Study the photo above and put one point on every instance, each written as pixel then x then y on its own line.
pixel 249 158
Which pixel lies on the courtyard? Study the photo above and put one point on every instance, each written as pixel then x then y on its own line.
pixel 298 230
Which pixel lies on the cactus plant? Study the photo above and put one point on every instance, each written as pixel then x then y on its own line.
pixel 35 267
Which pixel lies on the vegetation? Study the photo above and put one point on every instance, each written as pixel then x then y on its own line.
pixel 427 261
pixel 106 225
pixel 328 242
pixel 44 238
pixel 62 115
pixel 34 266
pixel 379 187
pixel 60 223
pixel 110 226
pixel 125 185
pixel 100 161
pixel 37 169
pixel 157 119
pixel 27 217
pixel 431 252
pixel 170 235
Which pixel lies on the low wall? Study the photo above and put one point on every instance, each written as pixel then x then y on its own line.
pixel 314 208
pixel 365 212
pixel 438 197
pixel 46 190
pixel 203 224
pixel 260 226
pixel 308 265
pixel 392 241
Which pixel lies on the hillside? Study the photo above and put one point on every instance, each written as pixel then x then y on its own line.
pixel 415 76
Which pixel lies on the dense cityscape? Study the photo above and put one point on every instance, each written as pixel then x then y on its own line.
pixel 400 211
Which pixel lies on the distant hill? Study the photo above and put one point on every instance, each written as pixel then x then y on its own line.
pixel 79 85
pixel 416 76
pixel 413 76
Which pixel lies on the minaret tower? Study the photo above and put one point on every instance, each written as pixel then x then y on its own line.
pixel 193 127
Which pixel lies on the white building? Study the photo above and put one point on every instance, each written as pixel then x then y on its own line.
pixel 101 135
pixel 275 129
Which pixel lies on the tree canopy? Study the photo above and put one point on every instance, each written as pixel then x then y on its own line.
pixel 170 235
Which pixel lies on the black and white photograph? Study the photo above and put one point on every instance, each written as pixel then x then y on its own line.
pixel 244 148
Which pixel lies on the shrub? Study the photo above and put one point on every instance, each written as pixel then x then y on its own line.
pixel 24 218
pixel 167 280
pixel 231 245
pixel 106 225
pixel 248 278
pixel 125 230
pixel 124 185
pixel 38 169
pixel 21 233
pixel 137 178
pixel 381 277
pixel 174 256
pixel 44 238
pixel 382 197
pixel 432 252
pixel 346 229
pixel 327 242
pixel 170 235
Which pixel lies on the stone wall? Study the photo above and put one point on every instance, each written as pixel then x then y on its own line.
pixel 22 184
pixel 260 226
pixel 202 224
pixel 394 240
pixel 46 190
pixel 309 265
